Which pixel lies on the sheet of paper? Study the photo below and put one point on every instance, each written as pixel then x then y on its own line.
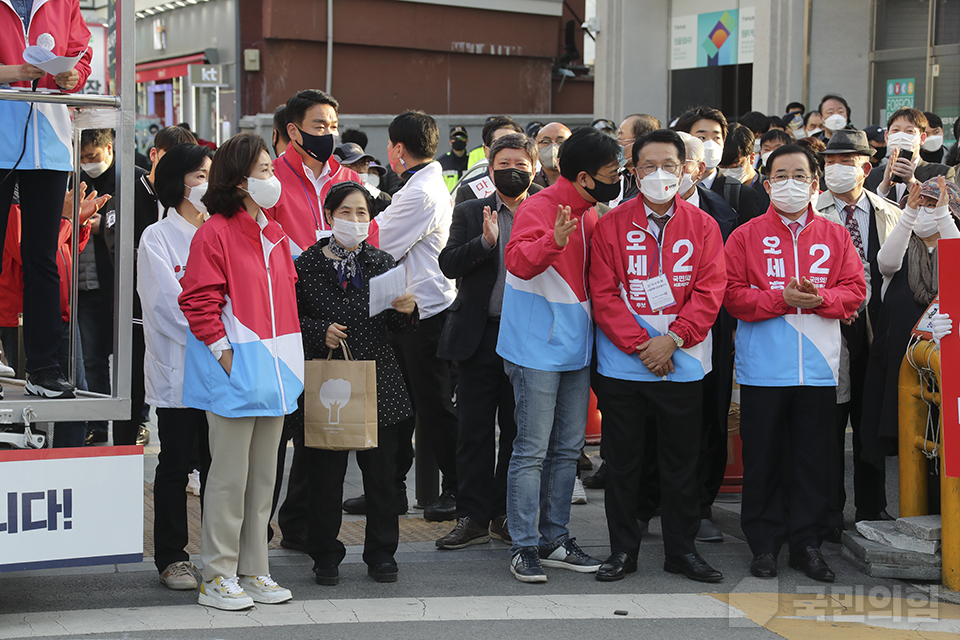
pixel 386 288
pixel 40 57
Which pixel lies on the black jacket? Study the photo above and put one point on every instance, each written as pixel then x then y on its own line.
pixel 744 200
pixel 322 300
pixel 717 208
pixel 924 171
pixel 468 261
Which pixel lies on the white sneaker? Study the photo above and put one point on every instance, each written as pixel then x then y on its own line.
pixel 264 590
pixel 179 576
pixel 7 372
pixel 193 482
pixel 579 495
pixel 224 593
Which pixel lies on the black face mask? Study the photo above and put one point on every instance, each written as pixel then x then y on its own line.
pixel 458 145
pixel 320 148
pixel 879 154
pixel 603 191
pixel 512 182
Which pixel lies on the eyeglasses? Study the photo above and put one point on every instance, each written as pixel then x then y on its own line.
pixel 546 142
pixel 650 168
pixel 800 177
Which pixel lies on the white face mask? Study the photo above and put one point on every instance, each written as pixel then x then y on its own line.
pixel 372 179
pixel 266 193
pixel 735 173
pixel 790 196
pixel 764 156
pixel 548 156
pixel 94 169
pixel 932 143
pixel 926 224
pixel 659 186
pixel 756 146
pixel 350 234
pixel 711 153
pixel 194 196
pixel 800 134
pixel 842 178
pixel 813 132
pixel 686 183
pixel 835 122
pixel 903 141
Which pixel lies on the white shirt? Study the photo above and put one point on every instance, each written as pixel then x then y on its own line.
pixel 802 220
pixel 694 198
pixel 653 227
pixel 414 230
pixel 861 215
pixel 161 260
pixel 708 179
pixel 318 183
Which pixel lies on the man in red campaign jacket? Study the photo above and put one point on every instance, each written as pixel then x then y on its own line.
pixel 307 169
pixel 657 279
pixel 793 276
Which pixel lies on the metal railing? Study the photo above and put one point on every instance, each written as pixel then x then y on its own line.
pixel 22 409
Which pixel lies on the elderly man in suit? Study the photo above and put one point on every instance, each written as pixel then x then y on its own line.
pixel 474 256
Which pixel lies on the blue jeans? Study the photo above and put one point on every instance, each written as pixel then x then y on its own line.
pixel 551 420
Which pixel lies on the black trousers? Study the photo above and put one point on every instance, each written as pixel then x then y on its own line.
pixel 41 206
pixel 180 431
pixel 325 473
pixel 125 431
pixel 678 409
pixel 485 397
pixel 869 481
pixel 717 390
pixel 293 514
pixel 788 439
pixel 429 379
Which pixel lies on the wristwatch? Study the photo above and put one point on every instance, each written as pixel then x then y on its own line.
pixel 676 339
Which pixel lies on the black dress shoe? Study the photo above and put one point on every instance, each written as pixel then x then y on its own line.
pixel 584 463
pixel 693 566
pixel 356 506
pixel 598 480
pixel 466 533
pixel 764 565
pixel 295 541
pixel 834 535
pixel 499 529
pixel 811 562
pixel 327 576
pixel 383 572
pixel 616 567
pixel 874 517
pixel 445 508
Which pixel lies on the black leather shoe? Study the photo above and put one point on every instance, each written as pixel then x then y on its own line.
pixel 445 508
pixel 327 576
pixel 874 517
pixel 616 567
pixel 811 562
pixel 466 533
pixel 356 506
pixel 764 565
pixel 598 480
pixel 834 535
pixel 383 572
pixel 693 566
pixel 584 463
pixel 295 541
pixel 95 436
pixel 499 530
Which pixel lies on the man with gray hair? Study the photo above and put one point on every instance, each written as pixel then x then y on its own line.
pixel 632 127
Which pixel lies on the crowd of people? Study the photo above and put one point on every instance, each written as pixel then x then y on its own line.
pixel 642 263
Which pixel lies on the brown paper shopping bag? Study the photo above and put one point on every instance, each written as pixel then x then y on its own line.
pixel 340 403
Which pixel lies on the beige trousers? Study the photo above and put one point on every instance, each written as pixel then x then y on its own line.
pixel 238 495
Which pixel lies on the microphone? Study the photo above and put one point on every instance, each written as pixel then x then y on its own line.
pixel 46 41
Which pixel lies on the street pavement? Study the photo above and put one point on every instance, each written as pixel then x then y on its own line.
pixel 471 593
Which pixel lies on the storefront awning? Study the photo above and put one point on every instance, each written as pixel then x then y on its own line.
pixel 169 68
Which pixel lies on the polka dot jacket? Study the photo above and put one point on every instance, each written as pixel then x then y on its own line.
pixel 322 300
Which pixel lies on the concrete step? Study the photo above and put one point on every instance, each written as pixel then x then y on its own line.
pixel 885 532
pixel 875 552
pixel 920 527
pixel 898 571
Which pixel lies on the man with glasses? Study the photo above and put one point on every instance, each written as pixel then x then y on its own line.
pixel 792 277
pixel 549 139
pixel 657 278
pixel 632 127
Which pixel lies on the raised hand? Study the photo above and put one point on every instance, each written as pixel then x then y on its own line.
pixel 564 226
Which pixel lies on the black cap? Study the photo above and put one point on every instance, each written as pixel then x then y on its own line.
pixel 875 133
pixel 351 152
pixel 459 132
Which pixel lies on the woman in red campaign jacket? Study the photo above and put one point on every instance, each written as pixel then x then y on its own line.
pixel 243 365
